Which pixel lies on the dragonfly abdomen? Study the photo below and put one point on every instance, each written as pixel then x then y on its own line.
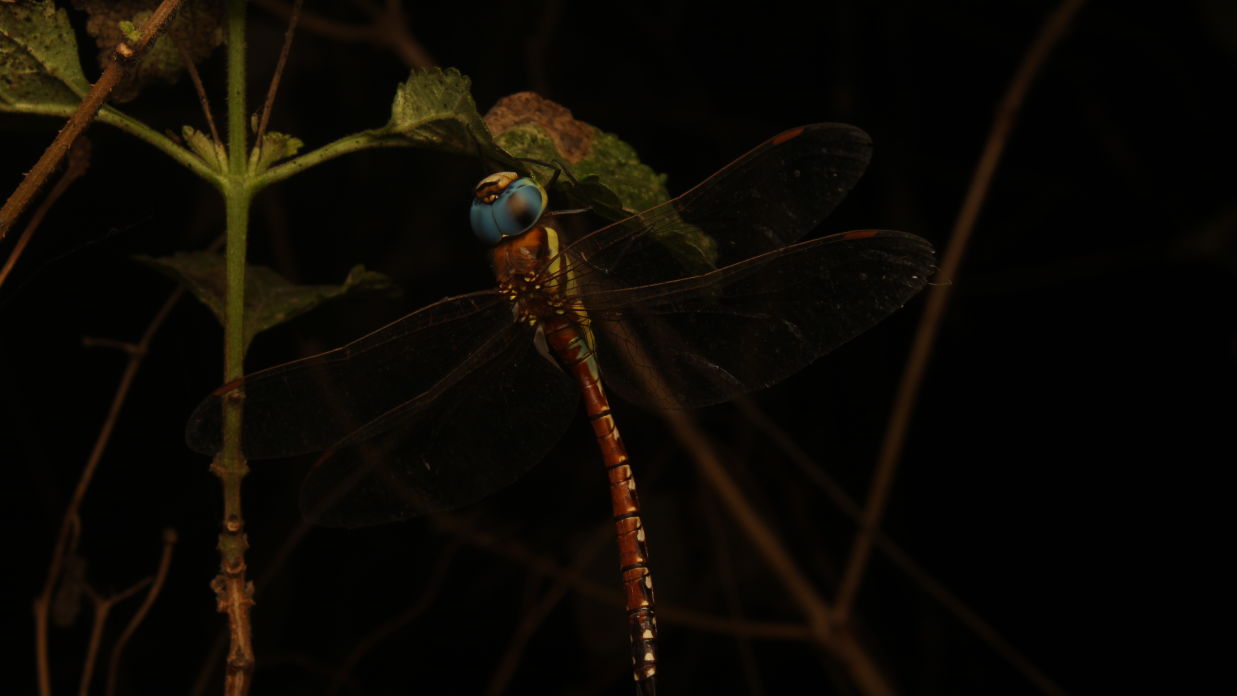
pixel 573 348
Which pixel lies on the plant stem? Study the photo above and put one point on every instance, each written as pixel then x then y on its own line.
pixel 118 119
pixel 233 592
pixel 114 117
pixel 349 143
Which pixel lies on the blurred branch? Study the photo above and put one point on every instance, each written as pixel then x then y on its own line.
pixel 548 567
pixel 538 613
pixel 833 639
pixel 387 29
pixel 938 301
pixel 165 562
pixel 102 607
pixel 896 554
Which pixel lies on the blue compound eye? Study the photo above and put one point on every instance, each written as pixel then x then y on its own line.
pixel 506 206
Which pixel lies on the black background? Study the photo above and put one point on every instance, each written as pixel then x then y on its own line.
pixel 1062 471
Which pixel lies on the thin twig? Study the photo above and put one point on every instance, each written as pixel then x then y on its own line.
pixel 102 607
pixel 79 162
pixel 165 562
pixel 537 46
pixel 279 68
pixel 42 603
pixel 388 29
pixel 122 58
pixel 391 30
pixel 200 88
pixel 938 300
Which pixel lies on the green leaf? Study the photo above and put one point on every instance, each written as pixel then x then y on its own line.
pixel 527 126
pixel 612 180
pixel 38 57
pixel 434 108
pixel 270 300
pixel 205 147
pixel 131 33
pixel 275 147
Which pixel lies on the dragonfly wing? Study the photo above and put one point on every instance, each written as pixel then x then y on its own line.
pixel 706 339
pixel 764 200
pixel 434 411
pixel 453 446
pixel 312 404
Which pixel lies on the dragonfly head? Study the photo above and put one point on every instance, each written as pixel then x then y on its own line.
pixel 506 205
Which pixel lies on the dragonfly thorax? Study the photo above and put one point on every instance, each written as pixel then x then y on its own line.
pixel 534 299
pixel 526 277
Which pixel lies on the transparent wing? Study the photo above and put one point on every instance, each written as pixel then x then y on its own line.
pixel 312 404
pixel 706 339
pixel 453 446
pixel 434 411
pixel 764 200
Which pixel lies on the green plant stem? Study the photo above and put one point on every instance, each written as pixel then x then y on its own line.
pixel 118 119
pixel 233 591
pixel 363 140
pixel 150 136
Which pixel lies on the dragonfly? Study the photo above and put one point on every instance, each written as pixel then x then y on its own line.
pixel 689 303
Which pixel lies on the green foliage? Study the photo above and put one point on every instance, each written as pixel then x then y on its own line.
pixel 608 169
pixel 611 179
pixel 275 147
pixel 270 300
pixel 205 147
pixel 434 108
pixel 38 58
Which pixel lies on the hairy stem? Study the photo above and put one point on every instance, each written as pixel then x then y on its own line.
pixel 234 594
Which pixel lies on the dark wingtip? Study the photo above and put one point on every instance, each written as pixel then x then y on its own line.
pixel 647 687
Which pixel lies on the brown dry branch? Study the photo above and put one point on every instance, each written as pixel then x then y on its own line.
pixel 200 89
pixel 165 562
pixel 123 58
pixel 280 65
pixel 68 523
pixel 938 300
pixel 79 162
pixel 102 607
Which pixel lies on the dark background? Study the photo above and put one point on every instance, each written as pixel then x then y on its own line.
pixel 1061 475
